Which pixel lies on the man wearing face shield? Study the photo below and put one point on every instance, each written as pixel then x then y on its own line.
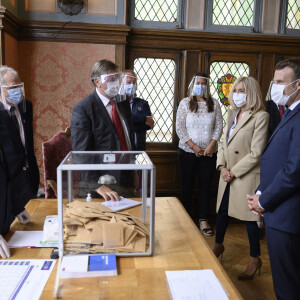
pixel 99 123
pixel 141 113
pixel 278 195
pixel 19 174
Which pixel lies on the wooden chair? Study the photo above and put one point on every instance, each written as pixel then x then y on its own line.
pixel 54 151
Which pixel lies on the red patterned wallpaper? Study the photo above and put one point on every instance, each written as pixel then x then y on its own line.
pixel 56 77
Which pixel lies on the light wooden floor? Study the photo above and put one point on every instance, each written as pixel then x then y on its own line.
pixel 235 260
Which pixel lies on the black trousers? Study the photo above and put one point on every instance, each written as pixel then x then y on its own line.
pixel 191 168
pixel 284 249
pixel 222 222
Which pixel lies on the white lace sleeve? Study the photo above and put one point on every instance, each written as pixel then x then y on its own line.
pixel 181 121
pixel 218 122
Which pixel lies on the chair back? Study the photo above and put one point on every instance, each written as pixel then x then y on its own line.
pixel 54 151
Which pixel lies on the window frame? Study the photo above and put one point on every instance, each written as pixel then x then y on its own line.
pixel 256 28
pixel 282 22
pixel 161 55
pixel 179 24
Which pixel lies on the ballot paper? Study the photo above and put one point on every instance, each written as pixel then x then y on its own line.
pixel 78 266
pixel 92 228
pixel 24 278
pixel 195 284
pixel 124 203
pixel 29 239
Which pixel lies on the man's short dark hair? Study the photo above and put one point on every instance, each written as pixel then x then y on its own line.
pixel 130 71
pixel 101 67
pixel 293 63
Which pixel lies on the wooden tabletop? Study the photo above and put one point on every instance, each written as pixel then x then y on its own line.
pixel 178 246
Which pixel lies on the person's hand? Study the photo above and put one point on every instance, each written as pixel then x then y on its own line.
pixel 23 217
pixel 253 204
pixel 231 176
pixel 199 151
pixel 4 250
pixel 149 121
pixel 108 194
pixel 208 151
pixel 225 174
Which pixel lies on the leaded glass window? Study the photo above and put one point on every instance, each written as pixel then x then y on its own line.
pixel 156 10
pixel 222 76
pixel 293 14
pixel 233 12
pixel 156 84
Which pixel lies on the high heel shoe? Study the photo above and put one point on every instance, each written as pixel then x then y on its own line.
pixel 218 250
pixel 254 264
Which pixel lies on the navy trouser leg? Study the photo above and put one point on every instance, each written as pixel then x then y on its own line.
pixel 253 236
pixel 222 217
pixel 284 252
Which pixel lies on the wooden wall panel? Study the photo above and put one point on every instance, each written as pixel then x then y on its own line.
pixel 197 49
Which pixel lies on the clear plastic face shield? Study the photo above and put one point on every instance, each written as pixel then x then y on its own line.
pixel 110 83
pixel 199 86
pixel 13 94
pixel 128 86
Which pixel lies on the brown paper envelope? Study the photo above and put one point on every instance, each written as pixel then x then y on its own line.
pixel 140 244
pixel 71 230
pixel 97 233
pixel 83 235
pixel 128 231
pixel 142 225
pixel 113 220
pixel 130 239
pixel 113 235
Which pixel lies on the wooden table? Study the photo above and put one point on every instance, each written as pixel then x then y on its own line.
pixel 178 246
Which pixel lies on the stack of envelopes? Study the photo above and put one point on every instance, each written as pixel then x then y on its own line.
pixel 90 227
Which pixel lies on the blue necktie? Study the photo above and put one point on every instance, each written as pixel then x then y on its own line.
pixel 286 114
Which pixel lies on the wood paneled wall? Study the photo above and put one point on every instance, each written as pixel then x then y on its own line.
pixel 191 50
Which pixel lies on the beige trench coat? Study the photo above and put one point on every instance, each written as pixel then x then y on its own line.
pixel 241 155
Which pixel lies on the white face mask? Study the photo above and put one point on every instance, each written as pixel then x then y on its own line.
pixel 112 88
pixel 130 89
pixel 199 90
pixel 239 99
pixel 277 93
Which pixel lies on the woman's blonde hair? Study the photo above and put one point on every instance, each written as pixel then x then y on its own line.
pixel 252 89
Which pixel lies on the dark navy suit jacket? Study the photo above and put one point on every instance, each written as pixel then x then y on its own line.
pixel 92 128
pixel 280 176
pixel 19 173
pixel 140 109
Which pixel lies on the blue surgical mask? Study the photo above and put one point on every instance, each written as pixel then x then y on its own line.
pixel 130 89
pixel 15 96
pixel 199 90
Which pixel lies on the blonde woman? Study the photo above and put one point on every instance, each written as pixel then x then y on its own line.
pixel 238 160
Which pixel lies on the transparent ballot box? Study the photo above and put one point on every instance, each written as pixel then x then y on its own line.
pixel 90 225
pixel 94 233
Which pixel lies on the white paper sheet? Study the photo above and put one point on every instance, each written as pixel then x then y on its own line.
pixel 195 284
pixel 23 239
pixel 124 203
pixel 25 278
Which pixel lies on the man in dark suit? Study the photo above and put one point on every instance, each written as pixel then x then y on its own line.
pixel 141 113
pixel 278 195
pixel 19 174
pixel 99 123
